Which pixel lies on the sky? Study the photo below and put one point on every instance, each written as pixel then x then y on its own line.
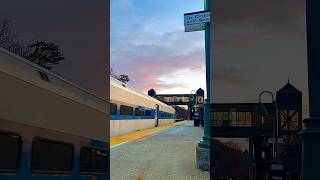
pixel 258 45
pixel 78 27
pixel 149 44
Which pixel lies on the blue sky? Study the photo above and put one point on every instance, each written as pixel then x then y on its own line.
pixel 162 16
pixel 149 44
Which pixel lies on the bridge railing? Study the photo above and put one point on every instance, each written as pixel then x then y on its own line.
pixel 239 115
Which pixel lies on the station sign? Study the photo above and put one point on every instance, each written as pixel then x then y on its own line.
pixel 273 141
pixel 196 27
pixel 196 21
pixel 196 18
pixel 277 170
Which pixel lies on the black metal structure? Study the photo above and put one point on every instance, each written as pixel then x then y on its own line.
pixel 238 120
pixel 289 101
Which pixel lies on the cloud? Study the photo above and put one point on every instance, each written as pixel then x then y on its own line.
pixel 240 23
pixel 258 44
pixel 146 56
pixel 122 5
pixel 262 42
pixel 150 58
pixel 231 75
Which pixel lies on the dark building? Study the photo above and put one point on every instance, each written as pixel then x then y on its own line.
pixel 200 96
pixel 289 101
pixel 152 93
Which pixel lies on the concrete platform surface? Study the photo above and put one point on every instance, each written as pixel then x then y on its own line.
pixel 168 154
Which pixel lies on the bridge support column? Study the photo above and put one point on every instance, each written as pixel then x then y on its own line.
pixel 205 142
pixel 203 149
pixel 310 134
pixel 252 169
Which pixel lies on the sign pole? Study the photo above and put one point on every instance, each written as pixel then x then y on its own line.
pixel 198 21
pixel 205 143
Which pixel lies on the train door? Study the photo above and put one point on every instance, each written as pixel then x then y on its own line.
pixel 156 115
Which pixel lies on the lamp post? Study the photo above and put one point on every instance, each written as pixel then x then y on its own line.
pixel 191 105
pixel 192 95
pixel 276 168
pixel 262 112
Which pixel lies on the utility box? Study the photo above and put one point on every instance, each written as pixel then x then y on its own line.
pixel 196 119
pixel 277 170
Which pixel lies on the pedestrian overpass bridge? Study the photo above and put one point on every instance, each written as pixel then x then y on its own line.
pixel 193 101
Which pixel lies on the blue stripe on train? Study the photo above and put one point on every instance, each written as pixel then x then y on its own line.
pixel 133 117
pixel 24 171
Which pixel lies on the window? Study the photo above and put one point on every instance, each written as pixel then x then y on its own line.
pixel 147 113
pixel 113 109
pixel 138 112
pixel 93 161
pixel 50 156
pixel 126 110
pixel 10 145
pixel 162 115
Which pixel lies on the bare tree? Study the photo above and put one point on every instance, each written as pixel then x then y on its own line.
pixel 112 74
pixel 43 53
pixel 122 77
pixel 7 37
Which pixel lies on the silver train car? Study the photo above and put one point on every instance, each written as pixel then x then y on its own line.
pixel 50 128
pixel 131 111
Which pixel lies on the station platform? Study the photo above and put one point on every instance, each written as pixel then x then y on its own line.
pixel 163 153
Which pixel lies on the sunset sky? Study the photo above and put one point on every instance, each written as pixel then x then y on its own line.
pixel 149 44
pixel 259 44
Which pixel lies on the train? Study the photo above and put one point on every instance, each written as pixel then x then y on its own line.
pixel 132 111
pixel 50 128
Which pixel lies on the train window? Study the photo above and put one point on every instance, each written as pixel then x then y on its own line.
pixel 138 112
pixel 93 161
pixel 10 146
pixel 113 109
pixel 147 113
pixel 126 110
pixel 162 115
pixel 50 156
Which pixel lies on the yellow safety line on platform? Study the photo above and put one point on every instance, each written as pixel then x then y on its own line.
pixel 139 134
